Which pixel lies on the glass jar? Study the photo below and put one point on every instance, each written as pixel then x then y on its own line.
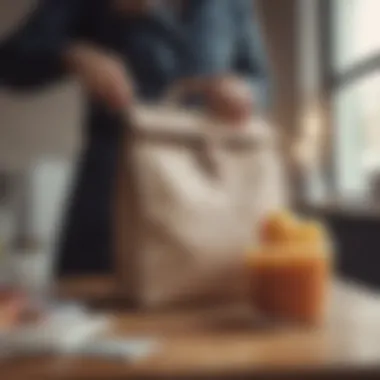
pixel 291 282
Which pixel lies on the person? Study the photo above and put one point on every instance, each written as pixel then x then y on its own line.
pixel 121 51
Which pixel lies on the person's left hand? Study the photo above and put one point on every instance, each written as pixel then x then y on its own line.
pixel 229 98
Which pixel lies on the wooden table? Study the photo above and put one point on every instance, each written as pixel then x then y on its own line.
pixel 227 343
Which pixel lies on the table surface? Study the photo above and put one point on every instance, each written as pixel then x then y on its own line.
pixel 228 342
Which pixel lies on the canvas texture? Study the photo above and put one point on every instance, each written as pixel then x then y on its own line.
pixel 191 194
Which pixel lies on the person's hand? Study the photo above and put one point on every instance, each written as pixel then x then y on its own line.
pixel 229 98
pixel 102 75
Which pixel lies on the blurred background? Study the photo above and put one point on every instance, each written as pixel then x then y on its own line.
pixel 325 57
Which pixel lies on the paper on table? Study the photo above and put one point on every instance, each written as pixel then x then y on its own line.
pixel 70 329
pixel 124 349
pixel 59 332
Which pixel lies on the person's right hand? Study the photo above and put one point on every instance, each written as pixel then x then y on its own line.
pixel 102 74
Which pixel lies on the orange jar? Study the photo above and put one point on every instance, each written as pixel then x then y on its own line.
pixel 290 285
pixel 290 277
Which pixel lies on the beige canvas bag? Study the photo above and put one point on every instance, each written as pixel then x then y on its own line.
pixel 190 196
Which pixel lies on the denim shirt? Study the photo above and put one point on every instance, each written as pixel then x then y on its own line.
pixel 207 38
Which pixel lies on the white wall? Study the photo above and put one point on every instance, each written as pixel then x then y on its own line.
pixel 39 131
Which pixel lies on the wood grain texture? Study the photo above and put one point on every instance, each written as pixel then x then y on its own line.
pixel 229 342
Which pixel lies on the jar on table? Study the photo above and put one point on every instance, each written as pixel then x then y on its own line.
pixel 290 273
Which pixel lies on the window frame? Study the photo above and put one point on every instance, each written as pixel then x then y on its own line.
pixel 334 80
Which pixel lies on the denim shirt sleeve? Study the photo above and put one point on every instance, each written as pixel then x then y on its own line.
pixel 32 56
pixel 209 35
pixel 253 56
pixel 225 36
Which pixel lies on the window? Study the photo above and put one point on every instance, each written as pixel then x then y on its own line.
pixel 356 30
pixel 353 70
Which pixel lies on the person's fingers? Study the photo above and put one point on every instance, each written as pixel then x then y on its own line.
pixel 235 100
pixel 118 90
pixel 111 94
pixel 110 85
pixel 231 110
pixel 102 74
